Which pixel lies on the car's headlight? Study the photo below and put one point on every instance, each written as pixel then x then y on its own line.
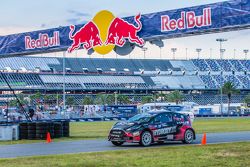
pixel 133 128
pixel 129 129
pixel 136 133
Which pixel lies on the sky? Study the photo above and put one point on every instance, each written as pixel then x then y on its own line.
pixel 18 16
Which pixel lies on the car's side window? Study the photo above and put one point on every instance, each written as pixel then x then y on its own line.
pixel 167 118
pixel 163 118
pixel 157 119
pixel 178 118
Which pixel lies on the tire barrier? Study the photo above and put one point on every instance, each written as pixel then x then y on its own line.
pixel 65 125
pixel 23 127
pixel 31 130
pixel 39 130
pixel 58 129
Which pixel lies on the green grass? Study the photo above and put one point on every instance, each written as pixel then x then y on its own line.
pixel 222 125
pixel 99 130
pixel 230 155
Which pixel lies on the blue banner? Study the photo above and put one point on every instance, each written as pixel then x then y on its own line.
pixel 217 17
pixel 123 110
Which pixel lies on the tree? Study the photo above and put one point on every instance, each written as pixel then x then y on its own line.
pixel 147 99
pixel 14 102
pixel 70 101
pixel 175 96
pixel 161 96
pixel 122 99
pixel 101 99
pixel 48 99
pixel 247 99
pixel 87 101
pixel 36 97
pixel 110 99
pixel 229 89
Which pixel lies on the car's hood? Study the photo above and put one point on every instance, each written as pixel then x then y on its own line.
pixel 123 125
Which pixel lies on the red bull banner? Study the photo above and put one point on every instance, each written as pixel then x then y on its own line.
pixel 43 41
pixel 188 20
pixel 105 31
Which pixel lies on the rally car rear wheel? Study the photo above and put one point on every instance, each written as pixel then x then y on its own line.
pixel 146 138
pixel 188 136
pixel 117 143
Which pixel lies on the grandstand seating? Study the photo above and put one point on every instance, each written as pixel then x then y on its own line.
pixel 213 65
pixel 201 64
pixel 245 80
pixel 246 64
pixel 119 65
pixel 219 79
pixel 237 65
pixel 209 81
pixel 185 65
pixel 233 79
pixel 29 63
pixel 225 65
pixel 106 74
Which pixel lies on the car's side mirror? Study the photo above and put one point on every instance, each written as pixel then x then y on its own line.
pixel 179 123
pixel 157 121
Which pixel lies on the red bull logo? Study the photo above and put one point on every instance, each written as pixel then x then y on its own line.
pixel 105 32
pixel 188 20
pixel 43 41
pixel 88 36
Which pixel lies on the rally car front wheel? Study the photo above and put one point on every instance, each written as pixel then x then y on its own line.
pixel 188 136
pixel 146 138
pixel 117 143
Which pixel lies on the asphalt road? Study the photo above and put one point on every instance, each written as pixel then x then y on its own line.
pixel 36 149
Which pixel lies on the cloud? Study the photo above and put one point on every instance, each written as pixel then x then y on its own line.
pixel 79 14
pixel 76 21
pixel 43 25
pixel 78 17
pixel 15 29
pixel 125 14
pixel 73 21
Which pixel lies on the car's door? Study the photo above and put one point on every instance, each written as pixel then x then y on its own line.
pixel 179 120
pixel 164 126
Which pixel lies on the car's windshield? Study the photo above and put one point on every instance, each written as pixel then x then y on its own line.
pixel 140 118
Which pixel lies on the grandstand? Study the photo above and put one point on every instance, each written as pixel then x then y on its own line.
pixel 125 75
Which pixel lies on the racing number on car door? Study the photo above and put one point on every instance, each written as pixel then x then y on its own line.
pixel 164 125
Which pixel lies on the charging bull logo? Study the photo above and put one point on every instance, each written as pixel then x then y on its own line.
pixel 105 32
pixel 88 36
pixel 120 30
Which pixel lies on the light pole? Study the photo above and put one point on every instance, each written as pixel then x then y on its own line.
pixel 234 53
pixel 246 52
pixel 160 52
pixel 115 98
pixel 174 50
pixel 221 93
pixel 198 50
pixel 64 106
pixel 144 49
pixel 221 40
pixel 211 52
pixel 222 52
pixel 186 53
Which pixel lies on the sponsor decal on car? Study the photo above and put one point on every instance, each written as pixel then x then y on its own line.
pixel 164 131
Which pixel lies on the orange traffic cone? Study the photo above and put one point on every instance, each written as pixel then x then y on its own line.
pixel 204 139
pixel 48 138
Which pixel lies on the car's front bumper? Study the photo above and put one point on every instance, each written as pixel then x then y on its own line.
pixel 122 136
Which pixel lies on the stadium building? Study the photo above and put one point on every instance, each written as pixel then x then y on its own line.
pixel 199 79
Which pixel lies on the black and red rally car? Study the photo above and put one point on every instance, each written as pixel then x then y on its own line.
pixel 151 127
